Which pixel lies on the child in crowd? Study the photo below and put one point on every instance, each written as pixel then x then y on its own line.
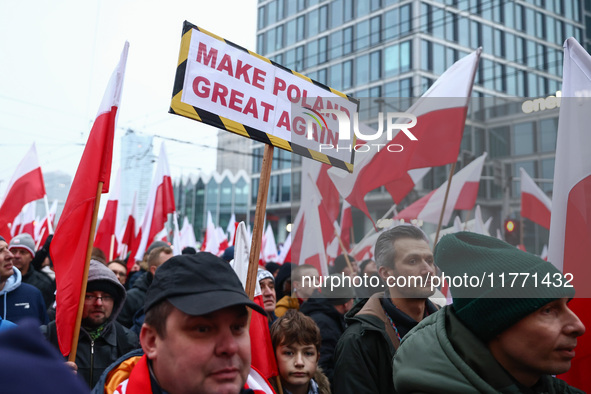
pixel 296 342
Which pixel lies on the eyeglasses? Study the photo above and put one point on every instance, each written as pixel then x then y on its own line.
pixel 91 298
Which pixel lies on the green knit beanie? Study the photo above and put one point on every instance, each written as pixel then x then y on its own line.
pixel 499 285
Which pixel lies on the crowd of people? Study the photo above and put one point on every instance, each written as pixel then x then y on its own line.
pixel 179 324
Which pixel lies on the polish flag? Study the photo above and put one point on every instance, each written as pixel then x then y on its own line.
pixel 535 204
pixel 263 356
pixel 462 195
pixel 211 243
pixel 160 203
pixel 73 235
pixel 45 227
pixel 441 115
pixel 309 246
pixel 346 225
pixel 105 238
pixel 570 226
pixel 26 185
pixel 188 234
pixel 231 229
pixel 285 252
pixel 270 248
pixel 25 221
pixel 365 249
pixel 129 238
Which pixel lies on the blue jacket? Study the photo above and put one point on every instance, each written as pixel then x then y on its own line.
pixel 20 300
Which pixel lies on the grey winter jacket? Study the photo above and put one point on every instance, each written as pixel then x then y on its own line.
pixel 441 355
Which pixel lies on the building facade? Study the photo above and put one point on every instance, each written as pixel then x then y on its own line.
pixel 390 48
pixel 222 194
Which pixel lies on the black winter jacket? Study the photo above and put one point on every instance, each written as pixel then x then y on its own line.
pixel 93 357
pixel 135 299
pixel 331 324
pixel 43 282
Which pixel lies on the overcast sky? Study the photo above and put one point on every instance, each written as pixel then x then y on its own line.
pixel 56 58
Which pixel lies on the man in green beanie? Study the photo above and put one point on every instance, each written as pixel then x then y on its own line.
pixel 508 330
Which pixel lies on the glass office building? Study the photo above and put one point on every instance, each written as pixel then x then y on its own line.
pixel 389 48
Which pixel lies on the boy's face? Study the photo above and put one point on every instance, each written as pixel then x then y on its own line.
pixel 297 364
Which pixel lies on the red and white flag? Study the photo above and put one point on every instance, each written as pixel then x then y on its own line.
pixel 160 203
pixel 285 252
pixel 346 225
pixel 26 185
pixel 105 238
pixel 263 356
pixel 129 237
pixel 45 227
pixel 570 226
pixel 211 243
pixel 270 246
pixel 231 229
pixel 309 243
pixel 72 235
pixel 462 195
pixel 535 204
pixel 25 221
pixel 188 234
pixel 441 115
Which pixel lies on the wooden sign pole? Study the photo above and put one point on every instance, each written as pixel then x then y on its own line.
pixel 259 219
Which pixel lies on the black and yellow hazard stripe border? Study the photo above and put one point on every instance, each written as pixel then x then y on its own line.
pixel 177 107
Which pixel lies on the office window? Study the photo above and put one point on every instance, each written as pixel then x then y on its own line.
pixel 348 10
pixel 299 60
pixel 285 187
pixel 509 44
pixel 312 23
pixel 375 69
pixel 336 76
pixel 532 85
pixel 336 44
pixel 301 32
pixel 523 138
pixel 438 56
pixel 391 24
pixel 272 12
pixel 375 27
pixel 322 50
pixel 347 74
pixel 541 26
pixel 261 17
pixel 362 35
pixel 279 37
pixel 405 19
pixel 438 22
pixel 548 129
pixel 475 41
pixel 547 173
pixel 498 142
pixel 261 43
pixel 463 29
pixel 323 19
pixel 451 27
pixel 426 56
pixel 336 13
pixel 362 70
pixel 348 40
pixel 311 54
pixel 519 17
pixel 289 59
pixel 405 56
pixel 362 8
pixel 291 7
pixel 499 43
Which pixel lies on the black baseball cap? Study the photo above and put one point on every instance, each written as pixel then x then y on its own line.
pixel 198 284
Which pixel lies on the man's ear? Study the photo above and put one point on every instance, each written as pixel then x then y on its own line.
pixel 383 272
pixel 148 338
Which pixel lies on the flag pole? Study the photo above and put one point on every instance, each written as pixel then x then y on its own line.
pixel 76 334
pixel 259 218
pixel 451 174
pixel 111 247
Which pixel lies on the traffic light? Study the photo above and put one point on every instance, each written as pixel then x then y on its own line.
pixel 512 232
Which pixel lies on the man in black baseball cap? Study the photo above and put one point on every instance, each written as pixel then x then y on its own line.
pixel 195 335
